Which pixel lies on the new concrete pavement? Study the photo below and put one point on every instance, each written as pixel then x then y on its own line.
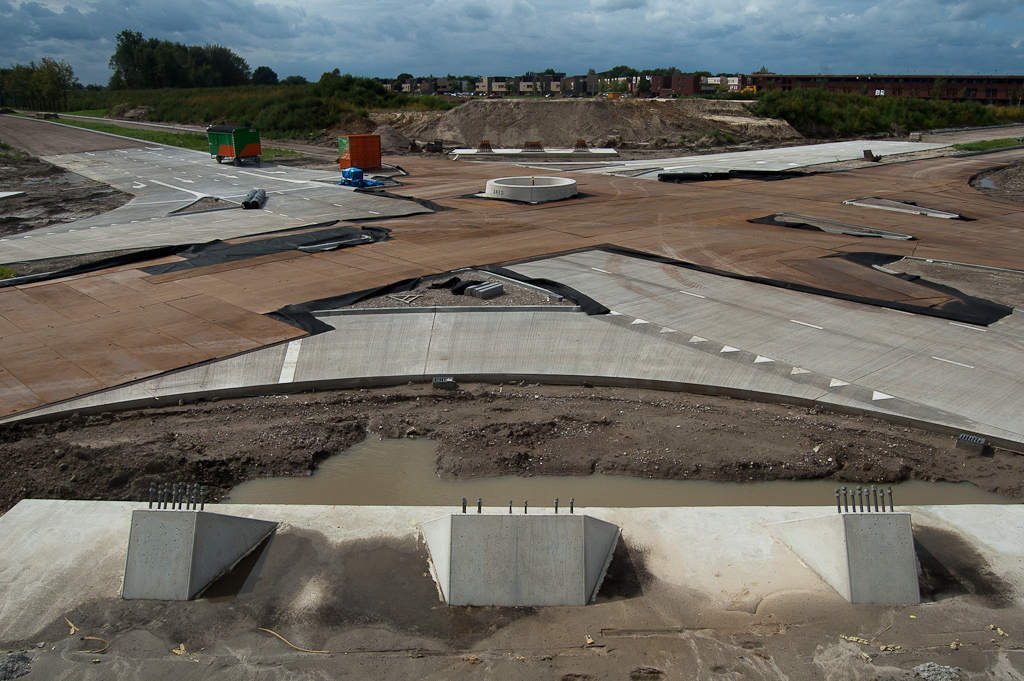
pixel 167 179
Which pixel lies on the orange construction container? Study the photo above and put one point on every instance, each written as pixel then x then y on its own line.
pixel 359 151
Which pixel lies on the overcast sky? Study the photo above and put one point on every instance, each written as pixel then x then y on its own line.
pixel 483 37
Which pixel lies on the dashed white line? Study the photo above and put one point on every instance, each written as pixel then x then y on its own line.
pixel 813 326
pixel 601 271
pixel 949 361
pixel 695 295
pixel 291 359
pixel 373 212
pixel 967 326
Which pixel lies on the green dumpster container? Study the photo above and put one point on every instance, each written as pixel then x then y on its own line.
pixel 234 142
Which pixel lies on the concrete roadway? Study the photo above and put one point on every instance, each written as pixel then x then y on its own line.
pixel 167 179
pixel 785 158
pixel 670 328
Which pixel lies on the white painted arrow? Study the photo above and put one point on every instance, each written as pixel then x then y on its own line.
pixel 180 179
pixel 875 395
pixel 729 348
pixel 697 339
pixel 798 370
pixel 836 383
pixel 137 185
pixel 761 360
pixel 639 321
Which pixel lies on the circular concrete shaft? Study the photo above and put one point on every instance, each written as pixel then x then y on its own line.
pixel 531 189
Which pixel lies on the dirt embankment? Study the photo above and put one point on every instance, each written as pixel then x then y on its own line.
pixel 623 123
pixel 483 430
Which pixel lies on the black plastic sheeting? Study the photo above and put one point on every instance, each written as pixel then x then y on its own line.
pixel 706 176
pixel 302 315
pixel 96 265
pixel 966 309
pixel 220 252
pixel 842 228
pixel 586 303
pixel 457 286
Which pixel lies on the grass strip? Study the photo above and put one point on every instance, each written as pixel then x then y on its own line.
pixel 987 145
pixel 185 140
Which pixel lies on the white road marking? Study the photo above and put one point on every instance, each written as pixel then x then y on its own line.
pixel 373 212
pixel 695 295
pixel 968 326
pixel 291 359
pixel 836 383
pixel 613 313
pixel 665 329
pixel 813 326
pixel 233 177
pixel 762 360
pixel 697 339
pixel 729 348
pixel 593 268
pixel 798 370
pixel 875 395
pixel 639 321
pixel 277 179
pixel 198 195
pixel 949 361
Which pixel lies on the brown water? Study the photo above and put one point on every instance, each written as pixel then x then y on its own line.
pixel 401 473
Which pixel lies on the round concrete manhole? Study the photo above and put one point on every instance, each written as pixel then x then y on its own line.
pixel 531 189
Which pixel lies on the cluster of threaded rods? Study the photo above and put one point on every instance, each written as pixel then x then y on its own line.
pixel 178 496
pixel 862 499
pixel 526 505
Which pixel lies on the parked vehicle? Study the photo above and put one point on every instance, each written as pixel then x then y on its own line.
pixel 235 143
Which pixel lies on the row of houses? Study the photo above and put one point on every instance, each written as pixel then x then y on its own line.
pixel 995 90
pixel 529 84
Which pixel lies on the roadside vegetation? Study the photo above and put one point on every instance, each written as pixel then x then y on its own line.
pixel 185 140
pixel 988 145
pixel 280 111
pixel 818 113
pixel 9 151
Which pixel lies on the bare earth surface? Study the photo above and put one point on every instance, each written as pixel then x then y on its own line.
pixel 482 430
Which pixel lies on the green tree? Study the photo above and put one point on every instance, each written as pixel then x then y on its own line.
pixel 126 61
pixel 264 75
pixel 53 80
pixel 938 88
pixel 294 80
pixel 141 64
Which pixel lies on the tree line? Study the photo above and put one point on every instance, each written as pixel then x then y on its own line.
pixel 141 64
pixel 38 86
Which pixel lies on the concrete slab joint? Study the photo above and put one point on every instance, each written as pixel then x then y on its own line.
pixel 868 558
pixel 519 560
pixel 175 555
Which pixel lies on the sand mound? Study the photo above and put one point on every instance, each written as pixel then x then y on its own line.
pixel 600 122
pixel 391 140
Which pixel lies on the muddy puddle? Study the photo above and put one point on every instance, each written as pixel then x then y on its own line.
pixel 402 473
